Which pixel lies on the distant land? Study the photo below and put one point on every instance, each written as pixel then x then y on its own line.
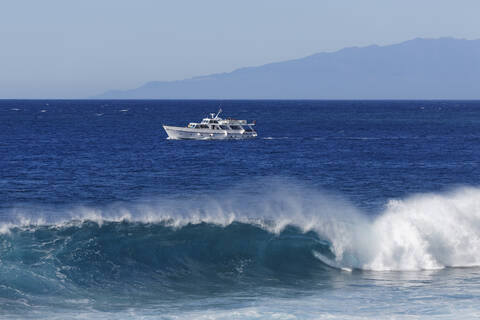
pixel 444 68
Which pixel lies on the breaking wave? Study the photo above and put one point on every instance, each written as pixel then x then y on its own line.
pixel 250 238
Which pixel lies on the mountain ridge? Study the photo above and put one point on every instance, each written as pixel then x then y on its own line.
pixel 442 68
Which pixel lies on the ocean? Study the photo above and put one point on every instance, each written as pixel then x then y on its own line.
pixel 338 210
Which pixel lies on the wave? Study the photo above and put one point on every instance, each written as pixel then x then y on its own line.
pixel 429 231
pixel 241 237
pixel 125 254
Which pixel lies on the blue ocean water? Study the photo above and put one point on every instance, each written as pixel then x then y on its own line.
pixel 338 210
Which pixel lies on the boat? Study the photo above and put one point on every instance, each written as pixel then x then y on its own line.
pixel 213 128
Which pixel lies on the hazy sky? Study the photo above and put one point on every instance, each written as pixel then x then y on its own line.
pixel 76 49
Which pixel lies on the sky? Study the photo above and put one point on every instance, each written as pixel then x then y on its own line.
pixel 77 49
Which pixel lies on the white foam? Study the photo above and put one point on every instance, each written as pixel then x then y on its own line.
pixel 428 231
pixel 425 231
pixel 275 138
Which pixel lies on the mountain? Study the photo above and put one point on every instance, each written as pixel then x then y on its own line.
pixel 444 68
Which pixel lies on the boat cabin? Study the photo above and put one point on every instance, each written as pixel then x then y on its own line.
pixel 217 123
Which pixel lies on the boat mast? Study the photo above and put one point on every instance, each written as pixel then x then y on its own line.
pixel 219 111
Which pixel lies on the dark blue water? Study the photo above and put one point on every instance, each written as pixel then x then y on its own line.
pixel 371 202
pixel 92 152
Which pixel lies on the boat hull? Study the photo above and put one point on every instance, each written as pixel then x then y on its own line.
pixel 178 133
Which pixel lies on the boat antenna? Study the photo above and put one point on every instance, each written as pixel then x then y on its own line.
pixel 219 111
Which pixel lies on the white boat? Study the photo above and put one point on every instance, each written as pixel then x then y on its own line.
pixel 213 128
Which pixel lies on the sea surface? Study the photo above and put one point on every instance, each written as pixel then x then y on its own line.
pixel 338 210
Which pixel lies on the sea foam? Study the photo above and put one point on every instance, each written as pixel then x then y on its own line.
pixel 423 231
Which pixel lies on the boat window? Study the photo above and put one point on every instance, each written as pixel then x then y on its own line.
pixel 202 126
pixel 223 127
pixel 248 129
pixel 213 121
pixel 236 127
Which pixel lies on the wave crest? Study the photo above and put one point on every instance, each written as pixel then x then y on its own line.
pixel 425 231
pixel 428 231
